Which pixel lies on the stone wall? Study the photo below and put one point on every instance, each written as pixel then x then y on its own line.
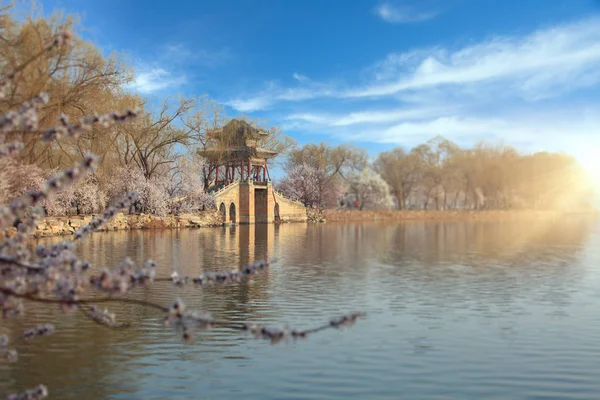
pixel 261 205
pixel 227 196
pixel 54 226
pixel 256 204
pixel 290 210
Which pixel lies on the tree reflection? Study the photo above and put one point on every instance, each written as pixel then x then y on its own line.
pixel 426 271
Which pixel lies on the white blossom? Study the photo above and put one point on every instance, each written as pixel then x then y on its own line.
pixel 370 189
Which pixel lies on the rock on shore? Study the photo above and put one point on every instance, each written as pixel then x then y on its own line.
pixel 54 226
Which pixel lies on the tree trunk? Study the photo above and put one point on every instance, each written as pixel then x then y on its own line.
pixel 455 202
pixel 400 198
pixel 445 198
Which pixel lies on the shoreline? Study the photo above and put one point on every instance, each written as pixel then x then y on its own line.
pixel 332 215
pixel 66 226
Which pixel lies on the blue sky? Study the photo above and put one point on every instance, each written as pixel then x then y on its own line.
pixel 377 74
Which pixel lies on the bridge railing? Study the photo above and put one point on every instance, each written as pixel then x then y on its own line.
pixel 226 187
pixel 289 198
pixel 221 189
pixel 257 183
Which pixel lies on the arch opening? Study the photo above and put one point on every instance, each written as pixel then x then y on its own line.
pixel 232 213
pixel 223 212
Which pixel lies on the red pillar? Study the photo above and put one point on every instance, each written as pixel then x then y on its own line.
pixel 242 170
pixel 265 171
pixel 217 175
pixel 248 169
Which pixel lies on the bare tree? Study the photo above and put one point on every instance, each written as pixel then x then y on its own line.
pixel 78 79
pixel 55 275
pixel 151 142
pixel 331 164
pixel 401 171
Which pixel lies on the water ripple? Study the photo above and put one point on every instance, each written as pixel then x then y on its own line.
pixel 456 310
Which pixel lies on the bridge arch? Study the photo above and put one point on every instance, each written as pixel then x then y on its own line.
pixel 249 203
pixel 232 214
pixel 223 212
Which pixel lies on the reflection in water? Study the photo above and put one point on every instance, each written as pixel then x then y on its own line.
pixel 456 310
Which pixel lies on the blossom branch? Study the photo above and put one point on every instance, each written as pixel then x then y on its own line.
pixel 24 209
pixel 177 316
pixel 14 262
pixel 55 275
pixel 65 129
pixel 79 302
pixel 37 393
pixel 218 277
pixel 103 317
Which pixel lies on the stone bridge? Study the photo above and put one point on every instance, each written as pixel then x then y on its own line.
pixel 249 202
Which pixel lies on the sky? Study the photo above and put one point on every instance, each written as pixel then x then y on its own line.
pixel 377 74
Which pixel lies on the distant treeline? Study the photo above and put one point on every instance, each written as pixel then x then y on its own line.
pixel 155 154
pixel 437 175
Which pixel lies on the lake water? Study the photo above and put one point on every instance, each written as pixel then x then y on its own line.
pixel 460 310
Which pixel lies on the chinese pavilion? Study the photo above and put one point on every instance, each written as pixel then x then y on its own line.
pixel 238 175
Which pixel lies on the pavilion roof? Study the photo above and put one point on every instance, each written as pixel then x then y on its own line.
pixel 222 153
pixel 238 131
pixel 237 140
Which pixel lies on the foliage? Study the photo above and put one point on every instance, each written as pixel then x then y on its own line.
pixel 152 194
pixel 370 189
pixel 17 178
pixel 401 171
pixel 441 175
pixel 87 196
pixel 332 161
pixel 187 187
pixel 55 275
pixel 303 183
pixel 327 166
pixel 80 81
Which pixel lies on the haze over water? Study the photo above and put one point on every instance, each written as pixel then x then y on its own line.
pixel 460 310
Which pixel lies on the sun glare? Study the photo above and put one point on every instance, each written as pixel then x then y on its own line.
pixel 592 168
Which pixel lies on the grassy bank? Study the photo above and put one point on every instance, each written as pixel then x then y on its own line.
pixel 436 215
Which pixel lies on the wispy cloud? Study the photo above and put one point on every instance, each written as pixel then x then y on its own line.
pixel 155 79
pixel 535 66
pixel 527 89
pixel 300 77
pixel 376 116
pixel 250 104
pixel 544 130
pixel 274 93
pixel 401 14
pixel 543 64
pixel 541 129
pixel 182 53
pixel 172 66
